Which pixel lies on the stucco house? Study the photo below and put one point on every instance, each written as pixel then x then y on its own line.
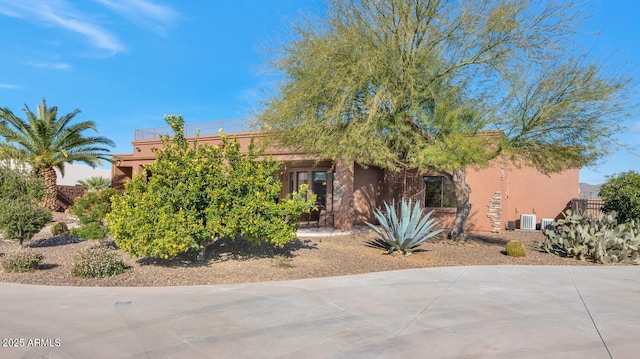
pixel 502 195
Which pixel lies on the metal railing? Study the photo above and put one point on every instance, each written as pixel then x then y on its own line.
pixel 582 205
pixel 191 130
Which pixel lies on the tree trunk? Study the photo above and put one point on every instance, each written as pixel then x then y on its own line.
pixel 203 251
pixel 49 201
pixel 462 192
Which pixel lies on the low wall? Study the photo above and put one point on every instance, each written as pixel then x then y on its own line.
pixel 66 195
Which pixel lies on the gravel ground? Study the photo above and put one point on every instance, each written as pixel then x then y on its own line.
pixel 237 261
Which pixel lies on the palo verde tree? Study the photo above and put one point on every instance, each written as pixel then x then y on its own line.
pixel 46 141
pixel 197 193
pixel 444 86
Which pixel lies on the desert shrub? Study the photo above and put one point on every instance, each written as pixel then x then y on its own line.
pixel 197 193
pixel 600 239
pixel 281 261
pixel 97 262
pixel 58 228
pixel 93 230
pixel 91 210
pixel 22 219
pixel 20 216
pixel 403 232
pixel 24 260
pixel 515 248
pixel 621 194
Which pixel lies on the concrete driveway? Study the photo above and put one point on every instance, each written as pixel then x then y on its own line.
pixel 455 312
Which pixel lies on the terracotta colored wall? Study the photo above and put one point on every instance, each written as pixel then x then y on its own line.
pixel 516 190
pixel 484 184
pixel 128 165
pixel 343 192
pixel 143 149
pixel 368 185
pixel 531 192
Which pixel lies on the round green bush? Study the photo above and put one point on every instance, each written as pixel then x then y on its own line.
pixel 621 194
pixel 58 228
pixel 97 262
pixel 24 260
pixel 21 219
pixel 515 249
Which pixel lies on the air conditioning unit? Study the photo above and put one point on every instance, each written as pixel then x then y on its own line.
pixel 546 223
pixel 528 221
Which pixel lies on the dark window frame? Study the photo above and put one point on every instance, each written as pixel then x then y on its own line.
pixel 439 192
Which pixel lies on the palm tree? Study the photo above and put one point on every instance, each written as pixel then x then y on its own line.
pixel 95 183
pixel 47 142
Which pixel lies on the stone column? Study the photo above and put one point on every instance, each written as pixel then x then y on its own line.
pixel 495 212
pixel 343 195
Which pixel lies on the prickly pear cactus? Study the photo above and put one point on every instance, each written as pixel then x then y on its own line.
pixel 515 249
pixel 600 239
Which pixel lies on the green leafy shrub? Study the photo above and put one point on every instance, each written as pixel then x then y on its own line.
pixel 20 216
pixel 58 228
pixel 91 210
pixel 515 248
pixel 93 230
pixel 197 193
pixel 621 194
pixel 97 262
pixel 408 230
pixel 24 260
pixel 21 220
pixel 600 239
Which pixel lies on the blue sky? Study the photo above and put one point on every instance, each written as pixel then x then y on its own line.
pixel 126 63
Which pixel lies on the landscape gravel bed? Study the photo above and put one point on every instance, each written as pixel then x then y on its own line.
pixel 307 257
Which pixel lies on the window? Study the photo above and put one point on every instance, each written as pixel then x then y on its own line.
pixel 438 192
pixel 303 178
pixel 319 186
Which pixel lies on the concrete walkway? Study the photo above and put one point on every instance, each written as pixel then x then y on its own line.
pixel 456 312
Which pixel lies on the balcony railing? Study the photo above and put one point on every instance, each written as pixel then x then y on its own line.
pixel 191 130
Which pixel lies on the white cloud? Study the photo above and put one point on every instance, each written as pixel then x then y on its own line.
pixel 9 86
pixel 59 13
pixel 144 13
pixel 62 14
pixel 58 66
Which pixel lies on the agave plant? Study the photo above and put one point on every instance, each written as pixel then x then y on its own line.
pixel 405 232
